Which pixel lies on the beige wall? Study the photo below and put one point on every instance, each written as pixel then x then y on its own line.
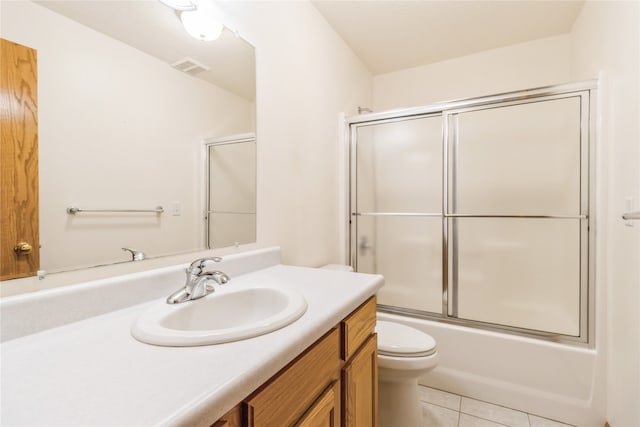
pixel 606 42
pixel 537 63
pixel 306 76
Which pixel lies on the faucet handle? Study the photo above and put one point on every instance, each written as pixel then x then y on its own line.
pixel 219 277
pixel 197 266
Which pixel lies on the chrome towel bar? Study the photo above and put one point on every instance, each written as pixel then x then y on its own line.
pixel 72 210
pixel 631 215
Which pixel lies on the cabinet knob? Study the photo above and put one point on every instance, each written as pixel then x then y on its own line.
pixel 23 248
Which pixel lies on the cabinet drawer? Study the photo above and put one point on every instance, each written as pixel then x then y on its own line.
pixel 357 327
pixel 289 394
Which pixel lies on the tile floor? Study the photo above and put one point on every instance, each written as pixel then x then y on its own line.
pixel 442 409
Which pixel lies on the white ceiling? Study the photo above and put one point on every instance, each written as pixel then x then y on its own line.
pixel 156 29
pixel 390 35
pixel 387 35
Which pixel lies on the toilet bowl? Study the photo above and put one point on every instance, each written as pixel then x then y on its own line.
pixel 404 354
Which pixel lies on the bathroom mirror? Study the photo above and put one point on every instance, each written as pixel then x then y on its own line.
pixel 125 100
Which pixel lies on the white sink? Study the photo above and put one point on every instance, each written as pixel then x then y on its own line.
pixel 223 316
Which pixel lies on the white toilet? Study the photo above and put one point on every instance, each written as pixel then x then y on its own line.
pixel 404 354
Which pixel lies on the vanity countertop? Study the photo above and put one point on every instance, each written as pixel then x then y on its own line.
pixel 93 372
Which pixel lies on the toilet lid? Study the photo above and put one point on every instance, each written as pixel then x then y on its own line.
pixel 399 340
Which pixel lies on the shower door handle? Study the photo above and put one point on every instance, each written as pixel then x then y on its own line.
pixel 364 246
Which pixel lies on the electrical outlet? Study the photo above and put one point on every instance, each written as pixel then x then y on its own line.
pixel 176 209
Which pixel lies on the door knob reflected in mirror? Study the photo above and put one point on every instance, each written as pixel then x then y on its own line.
pixel 23 248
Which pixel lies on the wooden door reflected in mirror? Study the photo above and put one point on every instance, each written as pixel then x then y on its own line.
pixel 20 254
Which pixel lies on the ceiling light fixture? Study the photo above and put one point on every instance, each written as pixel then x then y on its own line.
pixel 201 25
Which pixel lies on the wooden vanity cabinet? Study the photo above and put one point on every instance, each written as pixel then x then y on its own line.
pixel 332 383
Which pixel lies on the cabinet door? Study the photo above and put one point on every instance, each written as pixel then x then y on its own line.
pixel 290 394
pixel 360 387
pixel 233 418
pixel 325 411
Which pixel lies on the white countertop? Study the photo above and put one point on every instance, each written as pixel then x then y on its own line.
pixel 93 372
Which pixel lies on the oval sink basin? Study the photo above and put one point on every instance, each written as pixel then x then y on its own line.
pixel 220 317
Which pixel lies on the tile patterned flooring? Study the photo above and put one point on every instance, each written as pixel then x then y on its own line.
pixel 442 409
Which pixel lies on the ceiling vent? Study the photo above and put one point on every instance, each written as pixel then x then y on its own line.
pixel 190 66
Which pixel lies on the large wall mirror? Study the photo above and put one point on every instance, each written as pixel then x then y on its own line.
pixel 126 100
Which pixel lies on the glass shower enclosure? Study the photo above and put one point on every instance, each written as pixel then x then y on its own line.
pixel 478 211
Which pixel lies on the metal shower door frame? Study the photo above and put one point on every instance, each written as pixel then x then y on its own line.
pixel 449 111
pixel 208 144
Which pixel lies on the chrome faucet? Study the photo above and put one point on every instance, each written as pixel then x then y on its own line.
pixel 199 282
pixel 135 254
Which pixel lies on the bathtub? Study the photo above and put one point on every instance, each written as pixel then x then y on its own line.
pixel 556 381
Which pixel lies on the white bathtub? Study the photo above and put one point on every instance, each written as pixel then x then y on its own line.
pixel 556 381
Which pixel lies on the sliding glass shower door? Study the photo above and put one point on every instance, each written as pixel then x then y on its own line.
pixel 399 199
pixel 478 212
